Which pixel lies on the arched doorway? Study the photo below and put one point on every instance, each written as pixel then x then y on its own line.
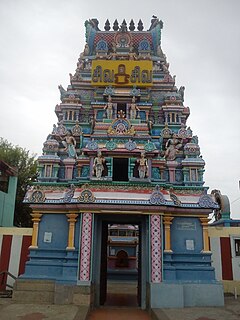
pixel 122 259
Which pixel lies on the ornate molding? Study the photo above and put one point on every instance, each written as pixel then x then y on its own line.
pixel 69 194
pixel 86 196
pixel 157 198
pixel 37 196
pixel 206 201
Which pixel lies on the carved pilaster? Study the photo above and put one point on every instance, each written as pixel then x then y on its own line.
pixel 172 165
pixel 36 218
pixel 72 218
pixel 86 244
pixel 156 249
pixel 204 222
pixel 167 221
pixel 69 165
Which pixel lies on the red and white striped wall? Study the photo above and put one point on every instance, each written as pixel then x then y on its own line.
pixel 14 244
pixel 224 258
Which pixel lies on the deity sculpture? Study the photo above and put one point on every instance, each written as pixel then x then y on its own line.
pixel 142 166
pixel 109 108
pixel 172 146
pixel 54 131
pixel 159 51
pixel 92 123
pixel 69 143
pixel 61 129
pixel 86 50
pixel 133 109
pixel 181 92
pixel 121 77
pixel 165 67
pixel 150 125
pixel 98 165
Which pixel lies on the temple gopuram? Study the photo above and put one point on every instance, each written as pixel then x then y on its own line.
pixel 121 153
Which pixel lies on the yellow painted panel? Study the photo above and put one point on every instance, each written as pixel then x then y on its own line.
pixel 16 231
pixel 121 73
pixel 218 231
pixel 231 286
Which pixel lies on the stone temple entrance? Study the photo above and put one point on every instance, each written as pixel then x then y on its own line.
pixel 119 270
pixel 123 153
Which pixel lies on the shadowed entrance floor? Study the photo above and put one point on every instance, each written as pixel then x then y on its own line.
pixel 121 300
pixel 121 303
pixel 118 314
pixel 121 294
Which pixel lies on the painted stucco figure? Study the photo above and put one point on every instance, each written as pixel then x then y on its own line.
pixel 142 166
pixel 172 146
pixel 133 109
pixel 98 165
pixel 109 108
pixel 69 143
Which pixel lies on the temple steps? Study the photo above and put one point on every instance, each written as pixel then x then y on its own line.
pixel 40 291
pixel 50 292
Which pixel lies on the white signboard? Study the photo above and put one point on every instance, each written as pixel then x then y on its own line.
pixel 190 244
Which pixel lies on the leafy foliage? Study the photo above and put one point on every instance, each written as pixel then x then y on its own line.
pixel 20 158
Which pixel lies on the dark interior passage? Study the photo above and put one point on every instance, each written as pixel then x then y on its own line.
pixel 120 271
pixel 120 169
pixel 121 106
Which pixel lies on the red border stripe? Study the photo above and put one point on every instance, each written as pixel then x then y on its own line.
pixel 26 242
pixel 226 258
pixel 5 256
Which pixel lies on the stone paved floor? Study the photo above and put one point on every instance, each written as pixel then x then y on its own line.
pixel 231 311
pixel 121 300
pixel 9 310
pixel 14 311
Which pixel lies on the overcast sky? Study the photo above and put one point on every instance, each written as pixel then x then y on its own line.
pixel 41 40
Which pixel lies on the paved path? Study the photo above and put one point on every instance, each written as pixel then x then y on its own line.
pixel 9 310
pixel 231 311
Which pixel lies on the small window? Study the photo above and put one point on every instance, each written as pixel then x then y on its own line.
pixel 193 175
pixel 122 233
pixel 237 247
pixel 48 171
pixel 121 106
pixel 112 251
pixel 114 233
pixel 120 169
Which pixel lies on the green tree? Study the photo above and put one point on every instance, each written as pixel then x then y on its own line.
pixel 26 164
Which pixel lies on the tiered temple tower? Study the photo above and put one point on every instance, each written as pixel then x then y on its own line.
pixel 122 152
